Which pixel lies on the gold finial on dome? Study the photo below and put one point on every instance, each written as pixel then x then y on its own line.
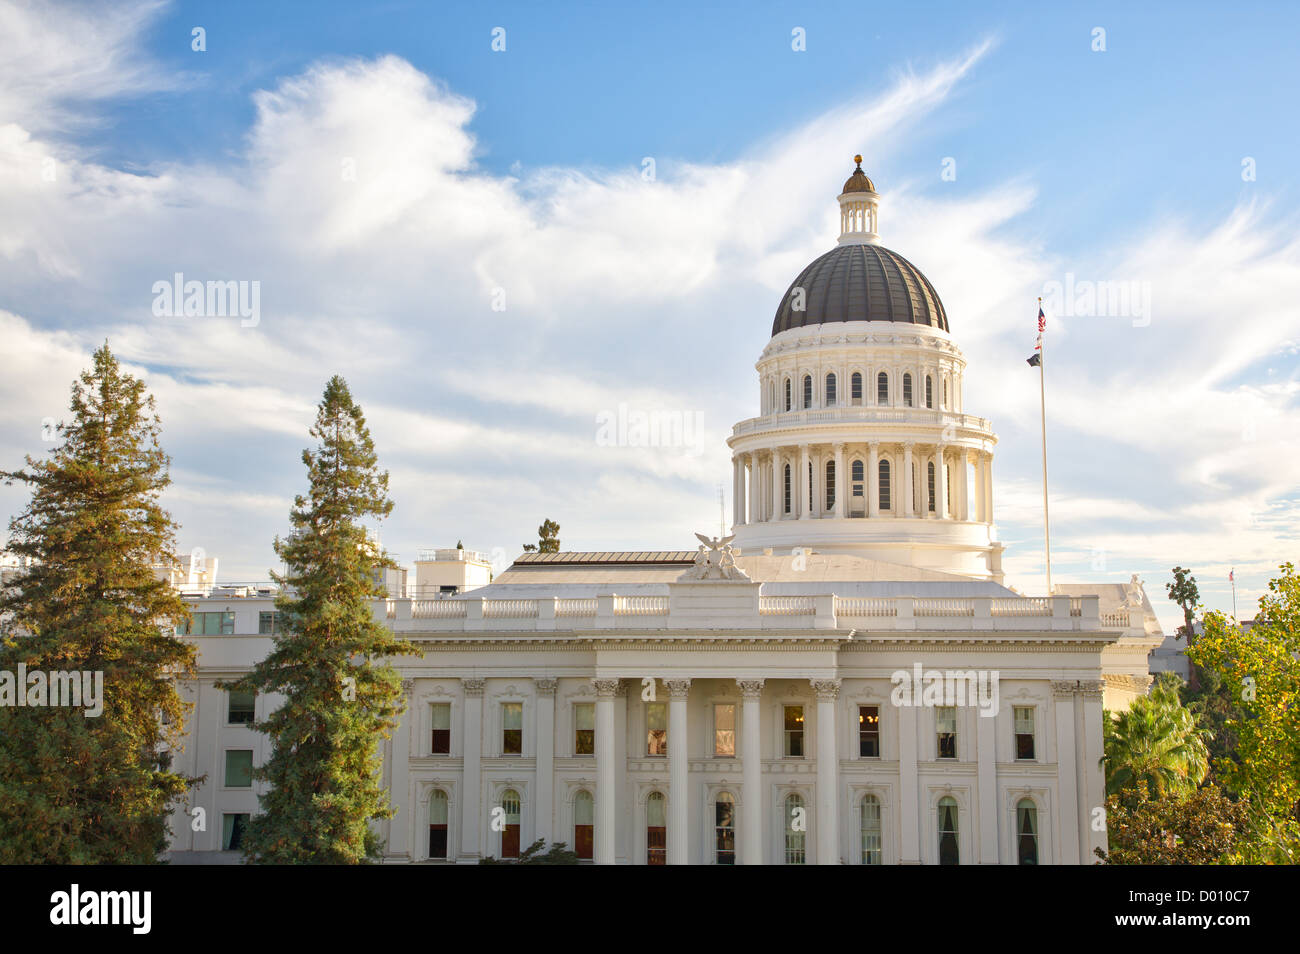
pixel 858 182
pixel 858 160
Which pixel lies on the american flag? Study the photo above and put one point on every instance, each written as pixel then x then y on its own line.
pixel 1042 320
pixel 1230 575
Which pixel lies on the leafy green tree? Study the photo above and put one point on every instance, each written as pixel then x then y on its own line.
pixel 1260 666
pixel 557 854
pixel 1187 595
pixel 1155 741
pixel 78 790
pixel 548 538
pixel 340 695
pixel 1203 828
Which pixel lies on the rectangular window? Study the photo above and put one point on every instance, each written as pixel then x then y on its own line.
pixel 232 830
pixel 724 730
pixel 512 728
pixel 239 768
pixel 1024 732
pixel 440 720
pixel 794 732
pixel 869 732
pixel 656 726
pixel 855 389
pixel 584 728
pixel 208 624
pixel 267 622
pixel 239 707
pixel 946 725
pixel 882 389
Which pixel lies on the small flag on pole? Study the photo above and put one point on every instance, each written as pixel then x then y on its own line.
pixel 1035 360
pixel 1230 575
pixel 1042 320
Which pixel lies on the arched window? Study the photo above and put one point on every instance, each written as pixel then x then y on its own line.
pixel 859 472
pixel 882 388
pixel 1027 831
pixel 884 485
pixel 787 394
pixel 438 826
pixel 584 825
pixel 870 830
pixel 830 390
pixel 929 480
pixel 830 485
pixel 724 829
pixel 949 854
pixel 929 391
pixel 907 390
pixel 656 830
pixel 855 388
pixel 511 806
pixel 796 827
pixel 807 390
pixel 787 488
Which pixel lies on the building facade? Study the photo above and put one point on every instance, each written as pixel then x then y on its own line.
pixel 843 680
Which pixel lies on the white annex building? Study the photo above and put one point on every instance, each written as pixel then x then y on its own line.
pixel 746 702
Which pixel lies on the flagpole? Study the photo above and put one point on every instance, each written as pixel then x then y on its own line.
pixel 1042 405
pixel 1232 578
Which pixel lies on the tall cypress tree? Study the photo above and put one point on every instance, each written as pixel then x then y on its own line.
pixel 340 696
pixel 92 790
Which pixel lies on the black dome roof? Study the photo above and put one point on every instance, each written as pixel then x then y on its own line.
pixel 861 283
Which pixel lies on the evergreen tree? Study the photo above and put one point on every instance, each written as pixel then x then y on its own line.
pixel 340 695
pixel 73 789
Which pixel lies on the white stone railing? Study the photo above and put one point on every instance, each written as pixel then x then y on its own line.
pixel 865 606
pixel 433 609
pixel 574 608
pixel 863 415
pixel 943 607
pixel 640 606
pixel 1116 620
pixel 1023 606
pixel 786 606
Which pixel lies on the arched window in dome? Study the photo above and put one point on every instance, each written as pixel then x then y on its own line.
pixel 884 485
pixel 787 488
pixel 870 830
pixel 787 394
pixel 930 484
pixel 882 388
pixel 929 391
pixel 858 498
pixel 907 390
pixel 807 391
pixel 830 485
pixel 855 387
pixel 830 389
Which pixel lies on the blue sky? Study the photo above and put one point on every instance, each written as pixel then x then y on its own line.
pixel 1171 442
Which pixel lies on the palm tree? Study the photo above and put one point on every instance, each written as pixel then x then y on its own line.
pixel 1156 741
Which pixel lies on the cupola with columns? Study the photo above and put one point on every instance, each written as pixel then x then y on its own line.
pixel 862 444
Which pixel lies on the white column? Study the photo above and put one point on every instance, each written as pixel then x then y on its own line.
pixel 802 482
pixel 399 838
pixel 1068 785
pixel 751 756
pixel 940 485
pixel 606 771
pixel 827 820
pixel 735 491
pixel 909 484
pixel 909 843
pixel 988 488
pixel 678 773
pixel 986 753
pixel 777 478
pixel 470 817
pixel 751 482
pixel 1092 787
pixel 963 485
pixel 622 824
pixel 841 481
pixel 544 818
pixel 873 480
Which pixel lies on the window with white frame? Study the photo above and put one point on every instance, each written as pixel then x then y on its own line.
pixel 512 728
pixel 724 829
pixel 584 728
pixel 793 732
pixel 869 732
pixel 1026 832
pixel 1024 719
pixel 945 718
pixel 949 852
pixel 656 725
pixel 584 825
pixel 438 815
pixel 724 730
pixel 656 829
pixel 440 731
pixel 796 829
pixel 871 850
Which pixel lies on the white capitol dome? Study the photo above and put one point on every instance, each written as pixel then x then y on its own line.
pixel 862 444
